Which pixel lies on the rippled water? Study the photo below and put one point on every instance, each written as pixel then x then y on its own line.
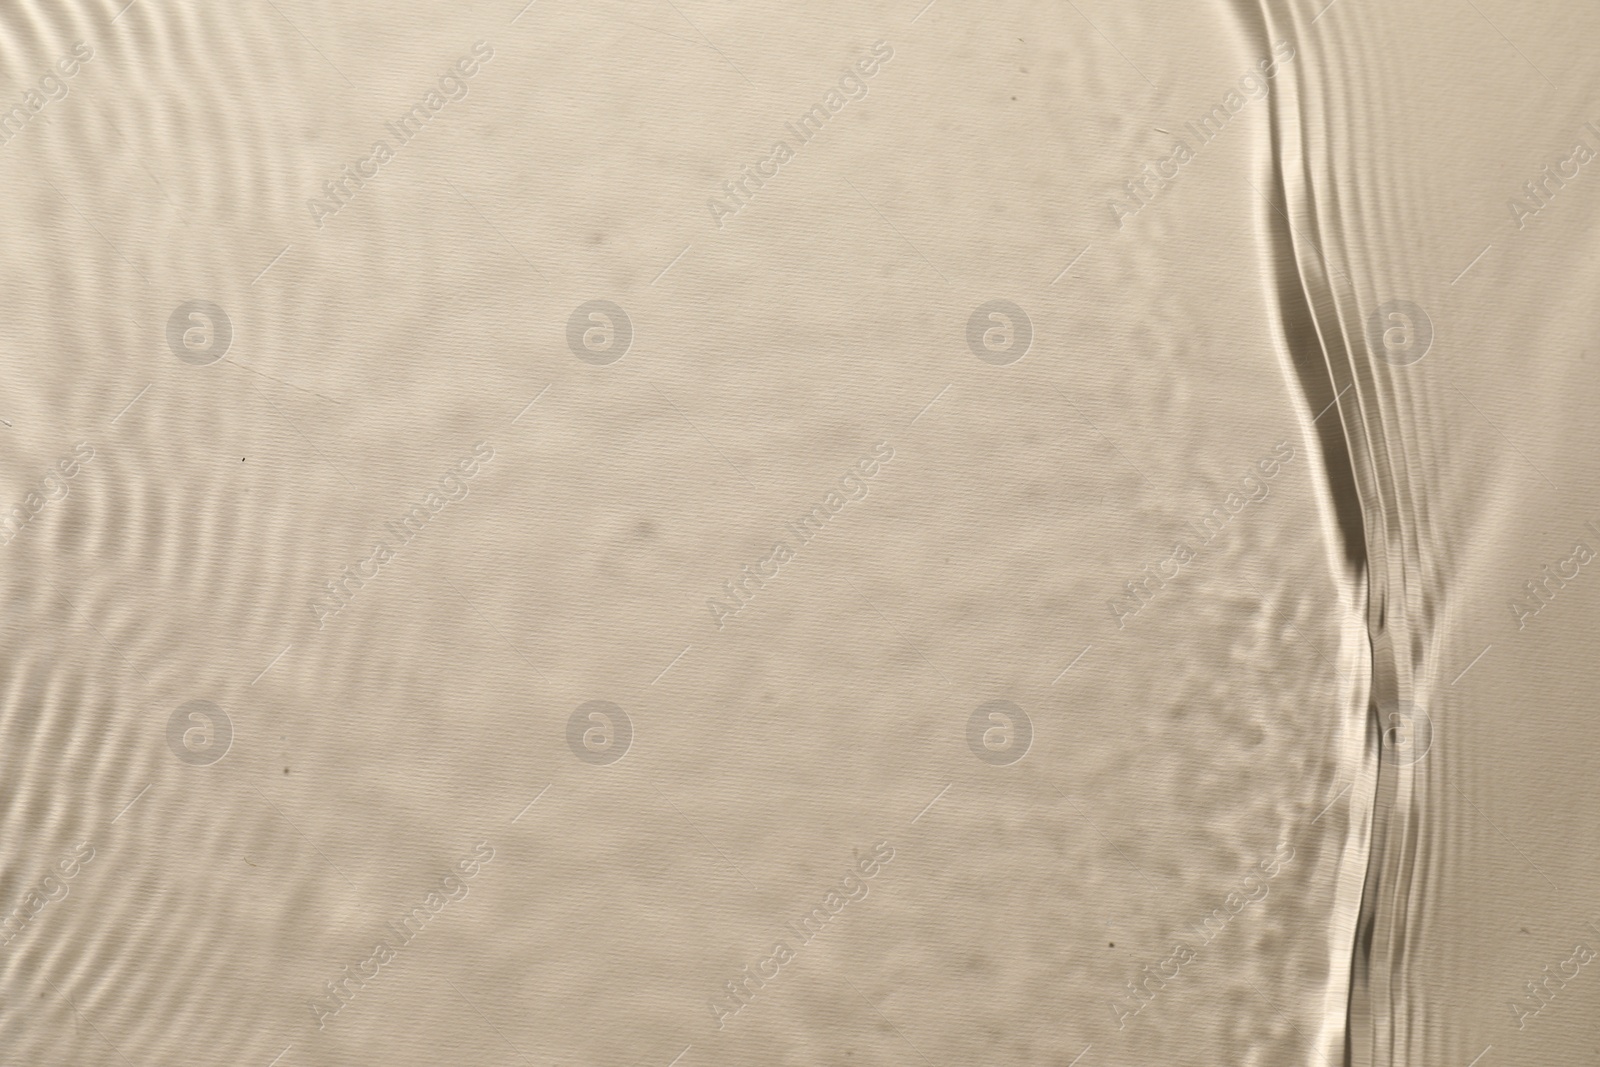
pixel 694 533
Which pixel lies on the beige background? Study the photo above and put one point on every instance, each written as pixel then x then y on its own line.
pixel 1236 716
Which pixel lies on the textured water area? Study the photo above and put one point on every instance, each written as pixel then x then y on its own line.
pixel 688 533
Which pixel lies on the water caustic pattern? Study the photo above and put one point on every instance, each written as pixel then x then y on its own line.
pixel 879 533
